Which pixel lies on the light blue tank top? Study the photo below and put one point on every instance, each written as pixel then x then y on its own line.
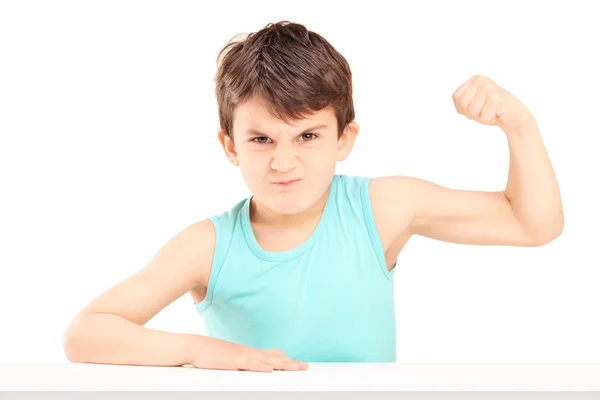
pixel 331 299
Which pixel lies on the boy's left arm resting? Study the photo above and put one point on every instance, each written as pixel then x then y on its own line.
pixel 527 213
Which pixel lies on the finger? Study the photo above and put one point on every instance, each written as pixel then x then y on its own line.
pixel 256 365
pixel 280 354
pixel 476 104
pixel 458 92
pixel 303 365
pixel 465 99
pixel 276 352
pixel 284 363
pixel 490 109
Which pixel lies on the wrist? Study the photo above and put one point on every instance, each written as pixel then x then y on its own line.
pixel 526 128
pixel 192 346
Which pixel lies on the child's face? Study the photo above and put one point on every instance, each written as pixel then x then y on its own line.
pixel 277 152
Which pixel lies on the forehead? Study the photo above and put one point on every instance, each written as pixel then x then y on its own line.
pixel 254 114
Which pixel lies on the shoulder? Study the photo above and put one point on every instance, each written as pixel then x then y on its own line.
pixel 196 242
pixel 393 206
pixel 406 201
pixel 391 192
pixel 387 195
pixel 387 201
pixel 210 239
pixel 394 195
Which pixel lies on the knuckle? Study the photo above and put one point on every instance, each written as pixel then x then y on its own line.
pixel 263 366
pixel 275 352
pixel 251 363
pixel 276 360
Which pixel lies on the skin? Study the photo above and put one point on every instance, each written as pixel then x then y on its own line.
pixel 282 153
pixel 528 213
pixel 110 329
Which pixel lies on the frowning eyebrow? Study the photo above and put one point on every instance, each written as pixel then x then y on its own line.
pixel 251 131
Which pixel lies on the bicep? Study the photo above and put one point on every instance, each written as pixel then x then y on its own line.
pixel 177 267
pixel 456 216
pixel 466 216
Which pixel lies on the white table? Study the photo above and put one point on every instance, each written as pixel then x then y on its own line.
pixel 319 377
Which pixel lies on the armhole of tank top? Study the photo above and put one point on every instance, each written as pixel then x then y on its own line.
pixel 372 229
pixel 221 245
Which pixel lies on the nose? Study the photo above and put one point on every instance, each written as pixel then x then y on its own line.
pixel 284 158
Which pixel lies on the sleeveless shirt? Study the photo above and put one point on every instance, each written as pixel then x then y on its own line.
pixel 330 299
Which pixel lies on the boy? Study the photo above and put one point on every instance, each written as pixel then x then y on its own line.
pixel 302 270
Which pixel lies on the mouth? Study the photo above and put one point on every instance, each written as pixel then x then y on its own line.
pixel 286 183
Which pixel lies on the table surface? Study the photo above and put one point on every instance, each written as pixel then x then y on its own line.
pixel 320 376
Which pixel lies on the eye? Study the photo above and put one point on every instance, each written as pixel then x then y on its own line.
pixel 260 139
pixel 311 136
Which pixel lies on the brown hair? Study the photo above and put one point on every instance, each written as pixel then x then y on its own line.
pixel 296 71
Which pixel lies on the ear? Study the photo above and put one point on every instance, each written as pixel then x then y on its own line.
pixel 346 140
pixel 228 147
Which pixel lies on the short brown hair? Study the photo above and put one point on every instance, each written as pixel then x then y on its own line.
pixel 296 71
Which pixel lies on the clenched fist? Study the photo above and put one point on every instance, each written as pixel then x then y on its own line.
pixel 482 100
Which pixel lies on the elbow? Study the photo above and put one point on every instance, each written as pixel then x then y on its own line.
pixel 71 344
pixel 547 232
pixel 75 342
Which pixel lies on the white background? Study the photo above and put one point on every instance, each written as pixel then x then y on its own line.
pixel 108 148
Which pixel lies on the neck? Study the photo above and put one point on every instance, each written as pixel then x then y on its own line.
pixel 263 215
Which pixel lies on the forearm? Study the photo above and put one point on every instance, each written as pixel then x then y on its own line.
pixel 532 188
pixel 110 339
